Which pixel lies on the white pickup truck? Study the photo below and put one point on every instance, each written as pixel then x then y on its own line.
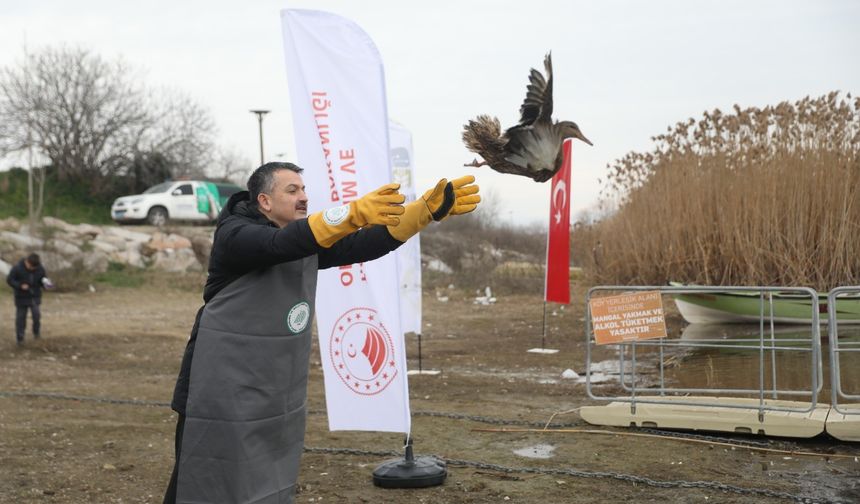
pixel 187 200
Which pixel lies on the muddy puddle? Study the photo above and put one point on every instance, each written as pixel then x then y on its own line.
pixel 539 451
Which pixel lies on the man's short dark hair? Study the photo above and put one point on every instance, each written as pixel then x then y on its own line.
pixel 34 260
pixel 262 180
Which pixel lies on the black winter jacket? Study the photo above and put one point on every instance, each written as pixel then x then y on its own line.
pixel 245 240
pixel 18 275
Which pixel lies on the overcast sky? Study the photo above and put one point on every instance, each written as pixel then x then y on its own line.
pixel 624 70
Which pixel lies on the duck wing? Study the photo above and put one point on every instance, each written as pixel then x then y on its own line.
pixel 538 102
pixel 535 150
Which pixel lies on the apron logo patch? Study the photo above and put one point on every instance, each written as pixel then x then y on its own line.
pixel 362 352
pixel 298 317
pixel 336 215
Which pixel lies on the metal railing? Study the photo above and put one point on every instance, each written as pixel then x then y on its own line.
pixel 767 345
pixel 837 349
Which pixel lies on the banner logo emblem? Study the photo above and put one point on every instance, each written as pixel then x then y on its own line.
pixel 560 188
pixel 298 317
pixel 362 352
pixel 336 215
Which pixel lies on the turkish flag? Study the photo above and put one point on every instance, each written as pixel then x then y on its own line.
pixel 558 239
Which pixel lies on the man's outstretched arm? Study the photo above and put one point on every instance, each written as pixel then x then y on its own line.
pixel 457 197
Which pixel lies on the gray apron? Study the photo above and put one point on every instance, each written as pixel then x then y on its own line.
pixel 245 417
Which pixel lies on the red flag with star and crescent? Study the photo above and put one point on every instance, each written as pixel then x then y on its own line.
pixel 558 239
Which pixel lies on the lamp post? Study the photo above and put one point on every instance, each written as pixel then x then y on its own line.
pixel 260 114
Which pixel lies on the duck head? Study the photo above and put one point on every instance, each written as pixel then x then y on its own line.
pixel 569 129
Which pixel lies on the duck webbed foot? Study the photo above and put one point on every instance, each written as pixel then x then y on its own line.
pixel 476 164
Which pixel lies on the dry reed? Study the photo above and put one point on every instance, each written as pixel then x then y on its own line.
pixel 765 196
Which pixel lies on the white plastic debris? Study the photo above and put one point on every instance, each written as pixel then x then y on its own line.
pixel 486 299
pixel 569 374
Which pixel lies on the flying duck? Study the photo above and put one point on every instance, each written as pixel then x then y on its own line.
pixel 533 147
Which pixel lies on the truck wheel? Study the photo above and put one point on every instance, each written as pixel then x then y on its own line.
pixel 157 216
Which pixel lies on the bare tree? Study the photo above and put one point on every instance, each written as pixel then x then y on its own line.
pixel 94 120
pixel 182 130
pixel 231 165
pixel 75 108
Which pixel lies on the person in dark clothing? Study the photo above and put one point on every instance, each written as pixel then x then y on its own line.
pixel 242 385
pixel 26 279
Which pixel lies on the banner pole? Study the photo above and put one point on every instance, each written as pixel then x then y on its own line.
pixel 543 336
pixel 419 353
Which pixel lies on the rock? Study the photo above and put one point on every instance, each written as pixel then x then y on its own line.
pixel 4 268
pixel 10 224
pixel 87 229
pixel 104 246
pixel 6 248
pixel 127 235
pixel 95 261
pixel 176 260
pixel 70 237
pixel 116 241
pixel 63 247
pixel 159 242
pixel 178 242
pixel 202 247
pixel 58 224
pixel 21 241
pixel 54 261
pixel 130 257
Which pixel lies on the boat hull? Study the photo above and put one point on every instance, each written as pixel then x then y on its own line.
pixel 729 308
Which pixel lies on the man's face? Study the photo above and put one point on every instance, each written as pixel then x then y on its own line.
pixel 288 201
pixel 28 266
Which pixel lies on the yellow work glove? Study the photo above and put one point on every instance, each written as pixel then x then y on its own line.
pixel 433 205
pixel 466 196
pixel 460 196
pixel 381 206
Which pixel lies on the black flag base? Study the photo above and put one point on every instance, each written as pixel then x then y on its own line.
pixel 410 472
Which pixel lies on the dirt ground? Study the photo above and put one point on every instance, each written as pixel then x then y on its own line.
pixel 126 343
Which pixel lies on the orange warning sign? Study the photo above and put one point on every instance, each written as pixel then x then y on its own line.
pixel 627 317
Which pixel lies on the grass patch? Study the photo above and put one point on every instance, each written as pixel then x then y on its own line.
pixel 121 275
pixel 70 201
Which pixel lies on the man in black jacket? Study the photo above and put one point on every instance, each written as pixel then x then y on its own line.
pixel 242 385
pixel 26 279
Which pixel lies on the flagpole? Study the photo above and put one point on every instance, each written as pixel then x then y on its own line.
pixel 559 215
